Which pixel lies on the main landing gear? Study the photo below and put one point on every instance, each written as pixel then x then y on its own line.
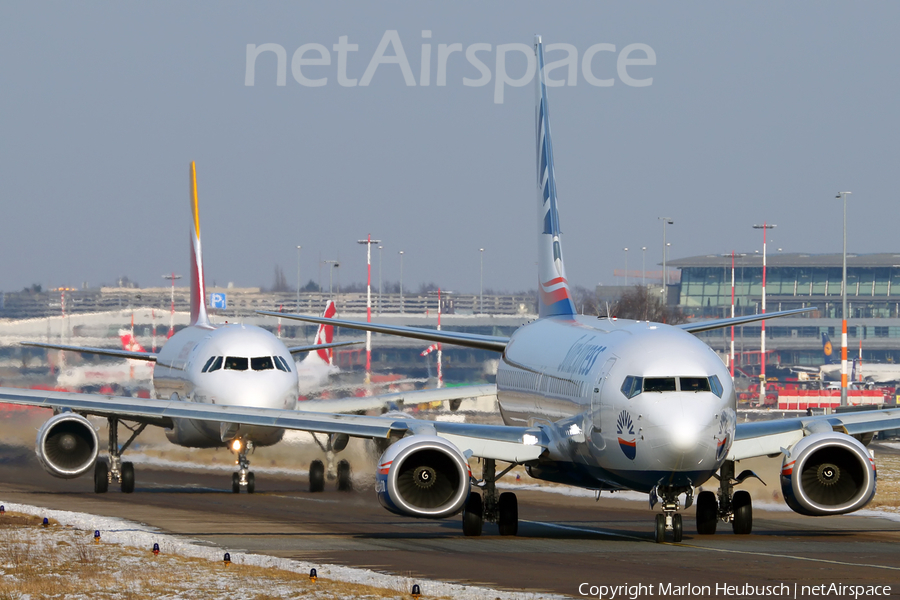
pixel 244 477
pixel 317 471
pixel 501 509
pixel 729 506
pixel 670 520
pixel 117 471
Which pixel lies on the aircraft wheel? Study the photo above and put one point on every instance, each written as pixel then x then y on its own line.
pixel 677 528
pixel 742 523
pixel 473 516
pixel 660 528
pixel 316 476
pixel 101 477
pixel 235 483
pixel 251 482
pixel 345 483
pixel 509 514
pixel 707 513
pixel 127 477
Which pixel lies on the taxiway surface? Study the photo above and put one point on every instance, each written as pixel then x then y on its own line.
pixel 563 541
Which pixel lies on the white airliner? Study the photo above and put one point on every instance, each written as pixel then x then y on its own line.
pixel 128 371
pixel 596 403
pixel 232 365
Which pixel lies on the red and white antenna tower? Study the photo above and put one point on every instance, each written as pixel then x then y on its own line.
pixel 368 242
pixel 172 277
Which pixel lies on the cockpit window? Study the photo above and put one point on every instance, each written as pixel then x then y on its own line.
pixel 716 386
pixel 694 384
pixel 282 365
pixel 659 384
pixel 217 364
pixel 236 363
pixel 208 364
pixel 262 363
pixel 632 386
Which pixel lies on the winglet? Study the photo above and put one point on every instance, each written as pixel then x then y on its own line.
pixel 198 284
pixel 555 298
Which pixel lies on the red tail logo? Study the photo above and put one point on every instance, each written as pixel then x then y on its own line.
pixel 325 334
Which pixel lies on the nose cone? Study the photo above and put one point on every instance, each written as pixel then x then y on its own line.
pixel 683 433
pixel 274 390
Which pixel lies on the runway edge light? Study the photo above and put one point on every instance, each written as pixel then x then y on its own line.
pixel 313 576
pixel 227 559
pixel 2 509
pixel 155 549
pixel 96 536
pixel 416 591
pixel 45 522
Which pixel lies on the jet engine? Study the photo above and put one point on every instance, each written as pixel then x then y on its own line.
pixel 827 473
pixel 67 445
pixel 423 476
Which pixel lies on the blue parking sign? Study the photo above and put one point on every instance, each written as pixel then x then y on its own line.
pixel 217 300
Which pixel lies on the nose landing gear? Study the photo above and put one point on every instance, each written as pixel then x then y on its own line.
pixel 670 520
pixel 244 477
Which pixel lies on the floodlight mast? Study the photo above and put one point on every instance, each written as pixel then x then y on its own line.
pixel 762 340
pixel 368 242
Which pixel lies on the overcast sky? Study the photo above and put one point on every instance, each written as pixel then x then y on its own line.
pixel 756 112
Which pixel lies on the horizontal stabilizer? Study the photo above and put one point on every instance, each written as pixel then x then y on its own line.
pixel 469 340
pixel 148 356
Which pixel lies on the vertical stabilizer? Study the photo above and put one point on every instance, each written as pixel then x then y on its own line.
pixel 555 299
pixel 325 334
pixel 827 349
pixel 198 284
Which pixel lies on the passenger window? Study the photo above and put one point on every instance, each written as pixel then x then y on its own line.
pixel 659 384
pixel 208 364
pixel 216 365
pixel 694 384
pixel 262 363
pixel 235 363
pixel 716 386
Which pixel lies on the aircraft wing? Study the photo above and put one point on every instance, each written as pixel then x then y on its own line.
pixel 148 356
pixel 512 444
pixel 720 323
pixel 400 399
pixel 313 347
pixel 767 438
pixel 471 340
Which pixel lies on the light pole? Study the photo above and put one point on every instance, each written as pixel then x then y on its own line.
pixel 481 293
pixel 401 280
pixel 626 267
pixel 843 196
pixel 172 277
pixel 333 264
pixel 666 221
pixel 298 278
pixel 762 339
pixel 368 242
pixel 644 267
pixel 380 248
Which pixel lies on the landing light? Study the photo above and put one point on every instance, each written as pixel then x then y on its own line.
pixel 236 445
pixel 529 439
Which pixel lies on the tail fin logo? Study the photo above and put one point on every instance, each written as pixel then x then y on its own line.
pixel 826 347
pixel 325 334
pixel 555 296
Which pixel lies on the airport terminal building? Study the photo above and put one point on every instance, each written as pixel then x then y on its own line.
pixel 797 281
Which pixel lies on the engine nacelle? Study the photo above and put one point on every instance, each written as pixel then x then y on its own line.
pixel 423 476
pixel 67 445
pixel 828 474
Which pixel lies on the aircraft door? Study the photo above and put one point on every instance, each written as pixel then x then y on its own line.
pixel 597 403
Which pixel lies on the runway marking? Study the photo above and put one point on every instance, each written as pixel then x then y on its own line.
pixel 726 550
pixel 301 498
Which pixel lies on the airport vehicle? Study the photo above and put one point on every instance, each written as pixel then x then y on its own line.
pixel 598 403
